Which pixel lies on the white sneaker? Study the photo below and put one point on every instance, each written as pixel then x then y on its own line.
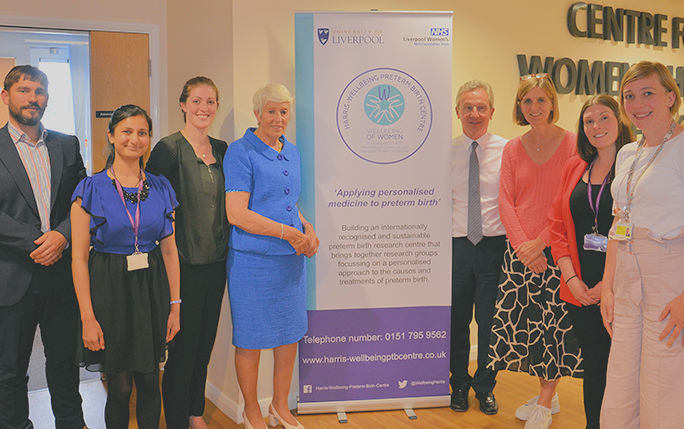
pixel 525 410
pixel 539 419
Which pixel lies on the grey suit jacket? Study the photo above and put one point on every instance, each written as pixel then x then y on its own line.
pixel 19 219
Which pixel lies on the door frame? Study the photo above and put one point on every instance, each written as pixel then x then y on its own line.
pixel 152 30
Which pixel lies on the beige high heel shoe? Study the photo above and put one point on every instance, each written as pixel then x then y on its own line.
pixel 274 419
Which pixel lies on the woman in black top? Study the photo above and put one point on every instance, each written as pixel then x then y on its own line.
pixel 581 217
pixel 193 163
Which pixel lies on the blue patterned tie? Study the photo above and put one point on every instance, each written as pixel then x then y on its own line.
pixel 474 205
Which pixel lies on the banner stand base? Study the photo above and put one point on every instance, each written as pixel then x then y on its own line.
pixel 410 413
pixel 373 405
pixel 341 417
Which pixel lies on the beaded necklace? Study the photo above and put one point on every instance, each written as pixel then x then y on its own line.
pixel 133 196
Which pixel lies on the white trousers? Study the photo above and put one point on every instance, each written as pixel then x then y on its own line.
pixel 645 379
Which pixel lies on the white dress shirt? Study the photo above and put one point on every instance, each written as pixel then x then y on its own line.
pixel 489 151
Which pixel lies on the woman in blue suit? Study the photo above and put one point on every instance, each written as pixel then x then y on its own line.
pixel 268 242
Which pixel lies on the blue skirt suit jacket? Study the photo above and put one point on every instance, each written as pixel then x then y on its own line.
pixel 267 280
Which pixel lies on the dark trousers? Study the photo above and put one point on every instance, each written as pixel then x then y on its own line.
pixel 185 372
pixel 50 302
pixel 594 342
pixel 475 273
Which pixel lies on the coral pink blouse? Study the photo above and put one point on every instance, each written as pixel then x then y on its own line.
pixel 527 189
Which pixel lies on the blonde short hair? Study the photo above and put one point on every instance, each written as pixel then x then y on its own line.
pixel 271 92
pixel 644 69
pixel 526 85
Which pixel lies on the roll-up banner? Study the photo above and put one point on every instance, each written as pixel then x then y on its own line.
pixel 374 116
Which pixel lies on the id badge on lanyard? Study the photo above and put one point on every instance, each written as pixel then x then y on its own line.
pixel 623 228
pixel 137 260
pixel 595 241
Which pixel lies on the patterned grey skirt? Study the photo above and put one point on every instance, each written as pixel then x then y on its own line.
pixel 531 331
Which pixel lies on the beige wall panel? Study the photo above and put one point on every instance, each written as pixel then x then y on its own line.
pixel 201 43
pixel 118 75
pixel 6 65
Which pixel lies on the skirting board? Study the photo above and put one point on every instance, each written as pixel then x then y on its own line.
pixel 234 409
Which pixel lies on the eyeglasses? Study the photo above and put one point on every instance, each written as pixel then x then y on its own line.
pixel 534 76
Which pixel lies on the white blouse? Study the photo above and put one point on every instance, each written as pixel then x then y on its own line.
pixel 658 202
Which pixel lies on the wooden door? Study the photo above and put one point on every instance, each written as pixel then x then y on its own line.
pixel 119 74
pixel 6 65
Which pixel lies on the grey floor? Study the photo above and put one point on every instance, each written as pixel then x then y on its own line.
pixel 40 411
pixel 94 397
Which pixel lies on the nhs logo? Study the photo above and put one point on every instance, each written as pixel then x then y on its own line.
pixel 437 31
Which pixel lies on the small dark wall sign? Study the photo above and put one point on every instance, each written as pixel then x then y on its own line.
pixel 103 113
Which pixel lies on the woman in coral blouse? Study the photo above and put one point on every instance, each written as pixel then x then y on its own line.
pixel 581 216
pixel 531 332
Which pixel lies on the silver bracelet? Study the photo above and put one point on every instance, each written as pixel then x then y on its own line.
pixel 178 301
pixel 282 231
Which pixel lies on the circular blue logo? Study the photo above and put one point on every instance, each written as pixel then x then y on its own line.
pixel 384 104
pixel 384 115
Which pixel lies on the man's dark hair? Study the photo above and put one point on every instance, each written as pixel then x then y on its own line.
pixel 27 72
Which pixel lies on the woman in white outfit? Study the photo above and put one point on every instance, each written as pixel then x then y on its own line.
pixel 642 301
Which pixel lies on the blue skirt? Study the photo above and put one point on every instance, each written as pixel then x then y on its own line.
pixel 267 299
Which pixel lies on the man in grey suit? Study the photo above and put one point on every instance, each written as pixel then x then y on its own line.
pixel 39 170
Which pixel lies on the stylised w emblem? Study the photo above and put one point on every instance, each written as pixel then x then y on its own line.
pixel 384 92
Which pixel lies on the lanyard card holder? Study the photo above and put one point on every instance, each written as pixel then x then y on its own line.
pixel 596 242
pixel 621 231
pixel 137 261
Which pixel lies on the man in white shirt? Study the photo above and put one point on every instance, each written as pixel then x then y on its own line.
pixel 478 243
